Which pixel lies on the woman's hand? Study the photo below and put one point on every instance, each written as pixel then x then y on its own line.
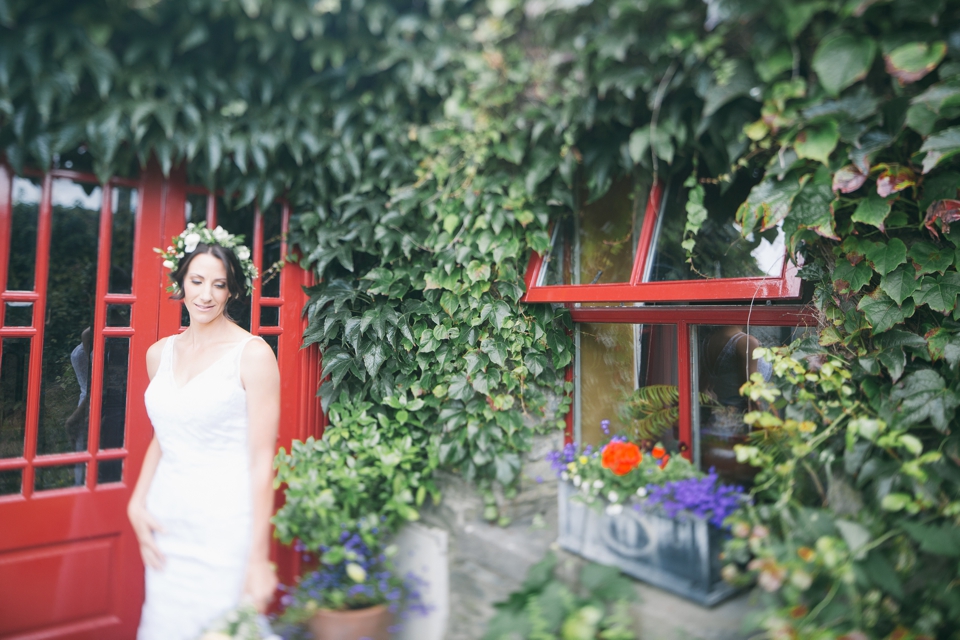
pixel 144 526
pixel 260 585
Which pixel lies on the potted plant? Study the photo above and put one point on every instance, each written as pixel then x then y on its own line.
pixel 652 515
pixel 346 495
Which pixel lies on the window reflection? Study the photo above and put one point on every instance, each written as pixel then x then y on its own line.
pixel 59 477
pixel 719 250
pixel 725 358
pixel 10 482
pixel 116 357
pixel 23 234
pixel 109 471
pixel 599 244
pixel 68 339
pixel 121 241
pixel 18 314
pixel 627 374
pixel 272 237
pixel 14 373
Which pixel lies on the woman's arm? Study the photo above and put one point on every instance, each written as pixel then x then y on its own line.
pixel 143 523
pixel 261 379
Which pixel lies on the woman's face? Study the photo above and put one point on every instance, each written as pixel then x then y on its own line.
pixel 205 292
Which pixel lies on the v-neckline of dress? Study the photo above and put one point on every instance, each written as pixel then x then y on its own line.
pixel 173 375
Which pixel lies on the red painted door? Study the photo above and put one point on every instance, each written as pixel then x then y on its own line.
pixel 81 299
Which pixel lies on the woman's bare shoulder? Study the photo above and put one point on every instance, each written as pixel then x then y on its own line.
pixel 153 355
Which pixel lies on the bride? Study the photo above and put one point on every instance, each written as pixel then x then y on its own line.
pixel 202 504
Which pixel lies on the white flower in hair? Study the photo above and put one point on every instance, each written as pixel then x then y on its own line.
pixel 243 253
pixel 191 241
pixel 168 265
pixel 220 234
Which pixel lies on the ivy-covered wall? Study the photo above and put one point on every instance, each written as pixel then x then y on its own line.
pixel 425 147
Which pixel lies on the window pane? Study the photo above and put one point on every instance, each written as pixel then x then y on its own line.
pixel 18 314
pixel 719 250
pixel 628 375
pixel 68 339
pixel 725 362
pixel 14 374
pixel 109 471
pixel 23 235
pixel 118 315
pixel 60 477
pixel 598 245
pixel 116 357
pixel 272 227
pixel 195 209
pixel 10 482
pixel 121 244
pixel 237 220
pixel 269 316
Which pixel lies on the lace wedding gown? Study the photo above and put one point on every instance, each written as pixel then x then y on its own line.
pixel 200 495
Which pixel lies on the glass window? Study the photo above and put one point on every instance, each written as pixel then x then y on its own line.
pixel 18 314
pixel 272 263
pixel 60 476
pixel 627 374
pixel 724 357
pixel 14 373
pixel 10 482
pixel 113 412
pixel 719 250
pixel 195 208
pixel 598 244
pixel 23 234
pixel 121 242
pixel 238 221
pixel 109 471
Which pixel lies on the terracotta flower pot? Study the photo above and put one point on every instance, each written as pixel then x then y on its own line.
pixel 355 624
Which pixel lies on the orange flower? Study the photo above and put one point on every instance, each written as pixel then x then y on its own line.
pixel 658 452
pixel 664 460
pixel 621 457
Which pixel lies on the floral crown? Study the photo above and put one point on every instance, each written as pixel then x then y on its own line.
pixel 196 234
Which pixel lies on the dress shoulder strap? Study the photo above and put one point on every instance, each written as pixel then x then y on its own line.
pixel 239 353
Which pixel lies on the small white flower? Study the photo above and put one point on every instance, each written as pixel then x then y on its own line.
pixel 243 252
pixel 190 242
pixel 577 480
pixel 168 264
pixel 564 476
pixel 613 496
pixel 220 234
pixel 642 492
pixel 614 509
pixel 169 249
pixel 356 572
pixel 598 484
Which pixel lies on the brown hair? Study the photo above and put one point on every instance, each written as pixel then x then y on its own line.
pixel 235 279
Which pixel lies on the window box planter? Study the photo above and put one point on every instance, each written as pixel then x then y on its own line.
pixel 681 554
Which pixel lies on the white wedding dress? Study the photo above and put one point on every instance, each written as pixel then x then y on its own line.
pixel 200 495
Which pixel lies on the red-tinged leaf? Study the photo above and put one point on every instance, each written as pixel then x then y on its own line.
pixel 894 178
pixel 913 61
pixel 944 212
pixel 848 179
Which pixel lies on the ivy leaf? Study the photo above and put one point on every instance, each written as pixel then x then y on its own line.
pixel 900 284
pixel 887 257
pixel 944 344
pixel 813 207
pixel 894 360
pixel 943 212
pixel 496 350
pixel 817 142
pixel 940 293
pixel 911 62
pixel 337 363
pixel 459 388
pixel 507 466
pixel 923 395
pixel 374 355
pixel 535 363
pixel 768 203
pixel 848 179
pixel 894 178
pixel 941 540
pixel 870 143
pixel 882 312
pixel 939 147
pixel 930 258
pixel 872 210
pixel 850 278
pixel 842 60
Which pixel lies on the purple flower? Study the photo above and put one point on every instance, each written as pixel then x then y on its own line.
pixel 703 497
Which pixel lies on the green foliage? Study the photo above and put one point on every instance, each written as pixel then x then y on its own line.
pixel 545 608
pixel 653 409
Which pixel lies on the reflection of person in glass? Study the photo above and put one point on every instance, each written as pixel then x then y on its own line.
pixel 76 422
pixel 202 504
pixel 726 356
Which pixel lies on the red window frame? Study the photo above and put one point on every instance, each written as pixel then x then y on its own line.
pixel 784 287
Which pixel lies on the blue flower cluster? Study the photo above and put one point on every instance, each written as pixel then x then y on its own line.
pixel 560 459
pixel 704 497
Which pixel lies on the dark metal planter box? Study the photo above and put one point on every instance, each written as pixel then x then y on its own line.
pixel 681 555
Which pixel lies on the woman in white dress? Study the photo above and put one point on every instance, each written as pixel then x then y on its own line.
pixel 202 505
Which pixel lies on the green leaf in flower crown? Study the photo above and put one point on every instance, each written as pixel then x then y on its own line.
pixel 939 147
pixel 818 141
pixel 768 203
pixel 842 60
pixel 872 210
pixel 911 62
pixel 900 284
pixel 923 395
pixel 930 258
pixel 887 257
pixel 850 278
pixel 939 292
pixel 882 312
